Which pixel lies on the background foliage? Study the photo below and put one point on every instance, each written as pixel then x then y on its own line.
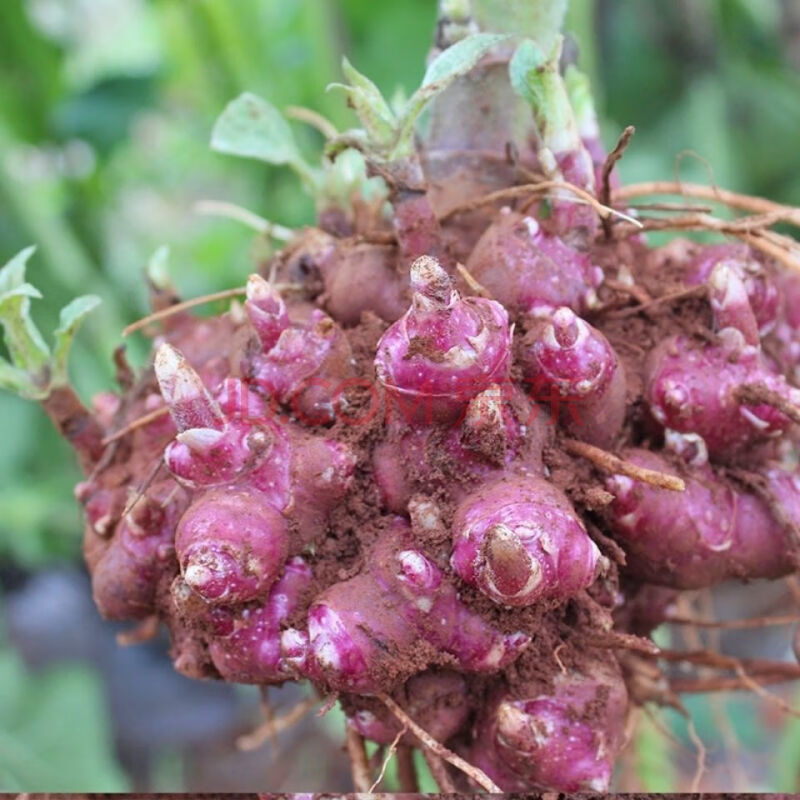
pixel 105 112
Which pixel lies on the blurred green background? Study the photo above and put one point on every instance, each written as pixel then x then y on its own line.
pixel 105 112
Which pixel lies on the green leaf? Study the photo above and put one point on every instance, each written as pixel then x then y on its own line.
pixel 70 319
pixel 579 91
pixel 39 715
pixel 369 104
pixel 157 269
pixel 253 128
pixel 536 78
pixel 450 64
pixel 12 275
pixel 13 379
pixel 540 20
pixel 460 58
pixel 528 59
pixel 25 345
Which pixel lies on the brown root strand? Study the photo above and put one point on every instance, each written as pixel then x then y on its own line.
pixel 389 753
pixel 759 394
pixel 359 766
pixel 636 292
pixel 542 187
pixel 732 624
pixel 747 671
pixel 178 307
pixel 375 237
pixel 150 477
pixel 752 681
pixel 144 631
pixel 608 166
pixel 123 371
pixel 725 683
pixel 608 545
pixel 652 303
pixel 623 641
pixel 742 202
pixel 608 462
pixel 271 727
pixel 475 287
pixel 439 772
pixel 471 771
pixel 688 208
pixel 145 419
pixel 749 229
pixel 701 754
pixel 407 769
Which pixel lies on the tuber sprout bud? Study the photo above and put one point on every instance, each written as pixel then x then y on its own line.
pixel 445 349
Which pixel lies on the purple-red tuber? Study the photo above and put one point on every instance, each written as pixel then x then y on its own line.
pixel 372 476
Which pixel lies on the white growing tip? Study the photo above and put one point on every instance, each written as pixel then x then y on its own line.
pixel 566 327
pixel 183 390
pixel 176 378
pixel 197 576
pixel 485 410
pixel 200 440
pixel 258 290
pixel 727 286
pixel 513 722
pixel 429 279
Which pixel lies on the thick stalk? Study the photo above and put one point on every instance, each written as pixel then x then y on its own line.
pixel 76 424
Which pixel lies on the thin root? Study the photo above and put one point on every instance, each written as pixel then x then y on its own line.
pixel 636 292
pixel 701 754
pixel 389 753
pixel 760 394
pixel 624 641
pixel 477 775
pixel 608 462
pixel 687 208
pixel 541 188
pixel 407 770
pixel 733 624
pixel 757 670
pixel 439 772
pixel 752 230
pixel 271 727
pixel 178 307
pixel 725 683
pixel 149 478
pixel 743 202
pixel 665 299
pixel 145 419
pixel 605 180
pixel 478 288
pixel 144 631
pixel 359 766
pixel 558 659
